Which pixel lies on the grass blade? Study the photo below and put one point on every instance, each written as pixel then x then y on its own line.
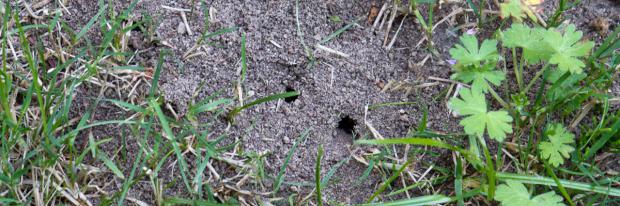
pixel 126 105
pixel 417 201
pixel 538 180
pixel 317 176
pixel 175 144
pixel 388 181
pixel 333 171
pixel 412 141
pixel 129 181
pixel 89 24
pixel 280 177
pixel 110 164
pixel 458 181
pixel 600 143
pixel 208 106
pixel 181 201
pixel 339 31
pixel 156 74
pixel 236 111
pixel 558 183
pixel 244 59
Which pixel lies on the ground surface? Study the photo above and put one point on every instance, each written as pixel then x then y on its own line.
pixel 333 89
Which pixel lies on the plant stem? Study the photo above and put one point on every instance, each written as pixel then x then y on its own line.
pixel 429 28
pixel 558 183
pixel 538 75
pixel 521 65
pixel 490 169
pixel 558 12
pixel 498 98
pixel 515 66
pixel 481 13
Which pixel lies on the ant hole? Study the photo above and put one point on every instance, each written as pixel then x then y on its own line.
pixel 293 98
pixel 347 125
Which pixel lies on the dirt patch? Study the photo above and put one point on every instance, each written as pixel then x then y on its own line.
pixel 335 91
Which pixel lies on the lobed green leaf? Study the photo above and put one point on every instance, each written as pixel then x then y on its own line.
pixel 473 105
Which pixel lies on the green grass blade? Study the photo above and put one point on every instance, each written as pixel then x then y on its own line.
pixel 90 23
pixel 54 22
pixel 600 143
pixel 538 180
pixel 366 174
pixel 9 201
pixel 458 181
pixel 417 201
pixel 333 171
pixel 129 181
pixel 101 123
pixel 236 111
pixel 338 32
pixel 473 7
pixel 244 59
pixel 219 32
pixel 376 106
pixel 126 105
pixel 175 145
pixel 280 177
pixel 490 170
pixel 389 181
pixel 317 176
pixel 129 67
pixel 558 183
pixel 29 27
pixel 411 141
pixel 110 164
pixel 208 106
pixel 199 174
pixel 181 201
pixel 157 72
pixel 610 44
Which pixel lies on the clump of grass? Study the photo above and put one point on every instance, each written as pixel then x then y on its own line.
pixel 39 131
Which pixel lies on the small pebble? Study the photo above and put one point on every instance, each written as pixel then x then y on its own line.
pixel 286 140
pixel 181 28
pixel 136 41
pixel 404 118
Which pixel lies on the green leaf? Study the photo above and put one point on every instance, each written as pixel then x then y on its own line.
pixel 473 105
pixel 512 8
pixel 470 54
pixel 530 39
pixel 517 10
pixel 514 193
pixel 481 77
pixel 557 148
pixel 567 49
pixel 518 35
